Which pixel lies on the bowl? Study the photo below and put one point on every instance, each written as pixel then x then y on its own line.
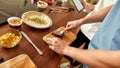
pixel 42 4
pixel 14 22
pixel 9 37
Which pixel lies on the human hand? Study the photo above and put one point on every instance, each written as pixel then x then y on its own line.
pixel 87 7
pixel 57 45
pixel 72 25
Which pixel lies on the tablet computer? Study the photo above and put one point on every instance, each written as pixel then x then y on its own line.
pixel 78 5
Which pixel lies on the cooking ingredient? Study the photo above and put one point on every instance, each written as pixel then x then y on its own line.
pixel 36 19
pixel 14 21
pixel 9 39
pixel 58 33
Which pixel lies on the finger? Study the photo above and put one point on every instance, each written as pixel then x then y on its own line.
pixel 68 24
pixel 51 47
pixel 55 40
pixel 68 27
pixel 49 42
pixel 52 41
pixel 82 2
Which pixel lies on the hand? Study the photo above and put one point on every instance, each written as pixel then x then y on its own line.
pixel 57 45
pixel 74 25
pixel 87 7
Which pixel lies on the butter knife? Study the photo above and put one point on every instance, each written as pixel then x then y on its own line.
pixel 30 41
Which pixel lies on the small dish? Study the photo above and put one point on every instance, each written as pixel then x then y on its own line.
pixel 14 22
pixel 9 37
pixel 42 4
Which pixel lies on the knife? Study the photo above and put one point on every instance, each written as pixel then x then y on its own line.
pixel 30 41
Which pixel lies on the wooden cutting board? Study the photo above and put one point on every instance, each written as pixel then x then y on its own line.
pixel 21 61
pixel 68 37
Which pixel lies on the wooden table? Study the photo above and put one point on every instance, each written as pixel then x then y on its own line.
pixel 49 59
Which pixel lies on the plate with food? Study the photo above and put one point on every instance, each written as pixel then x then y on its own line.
pixel 9 37
pixel 36 19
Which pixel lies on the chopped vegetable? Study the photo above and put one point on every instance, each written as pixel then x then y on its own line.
pixel 9 39
pixel 36 19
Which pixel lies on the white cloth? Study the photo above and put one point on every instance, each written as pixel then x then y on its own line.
pixel 90 29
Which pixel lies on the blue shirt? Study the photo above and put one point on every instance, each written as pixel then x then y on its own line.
pixel 108 35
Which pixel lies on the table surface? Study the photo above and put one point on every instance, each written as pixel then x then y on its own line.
pixel 49 59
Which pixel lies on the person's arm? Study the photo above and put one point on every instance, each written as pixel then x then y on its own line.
pixel 96 17
pixel 92 58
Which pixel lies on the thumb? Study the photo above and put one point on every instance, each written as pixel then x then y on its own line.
pixel 83 2
pixel 51 47
pixel 68 27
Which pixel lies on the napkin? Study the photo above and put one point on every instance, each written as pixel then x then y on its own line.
pixel 21 61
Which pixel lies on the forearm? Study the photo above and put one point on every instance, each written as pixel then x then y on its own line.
pixel 95 58
pixel 97 17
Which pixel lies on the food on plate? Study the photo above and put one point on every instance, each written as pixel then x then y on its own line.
pixel 37 20
pixel 58 33
pixel 14 22
pixel 42 4
pixel 9 40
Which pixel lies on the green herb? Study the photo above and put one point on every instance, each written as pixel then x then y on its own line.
pixel 37 20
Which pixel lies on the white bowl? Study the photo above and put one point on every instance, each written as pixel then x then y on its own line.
pixel 14 21
pixel 42 4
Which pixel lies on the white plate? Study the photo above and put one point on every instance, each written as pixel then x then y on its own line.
pixel 44 20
